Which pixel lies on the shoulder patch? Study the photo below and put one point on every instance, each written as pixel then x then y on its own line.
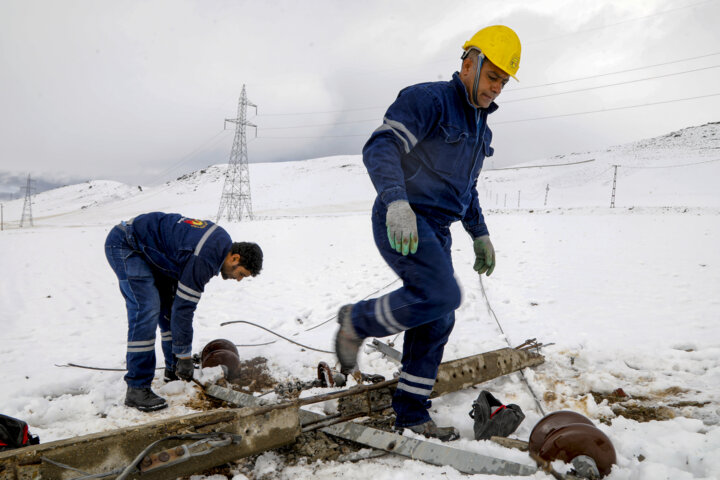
pixel 194 222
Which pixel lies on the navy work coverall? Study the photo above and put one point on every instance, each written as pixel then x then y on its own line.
pixel 162 261
pixel 428 151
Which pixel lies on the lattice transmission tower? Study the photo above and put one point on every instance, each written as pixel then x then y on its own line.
pixel 235 199
pixel 27 205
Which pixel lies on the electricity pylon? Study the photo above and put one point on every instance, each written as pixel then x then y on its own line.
pixel 235 199
pixel 27 205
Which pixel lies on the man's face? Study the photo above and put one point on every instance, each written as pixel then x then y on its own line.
pixel 232 270
pixel 492 81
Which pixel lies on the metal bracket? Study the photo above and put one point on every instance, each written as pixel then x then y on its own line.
pixel 387 351
pixel 183 453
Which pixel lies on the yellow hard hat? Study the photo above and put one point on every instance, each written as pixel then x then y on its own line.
pixel 499 44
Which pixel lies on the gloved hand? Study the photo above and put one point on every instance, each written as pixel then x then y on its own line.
pixel 484 255
pixel 185 369
pixel 402 227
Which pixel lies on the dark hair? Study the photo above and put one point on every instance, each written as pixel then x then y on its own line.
pixel 251 254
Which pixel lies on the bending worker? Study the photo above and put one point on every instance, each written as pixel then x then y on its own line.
pixel 424 161
pixel 163 261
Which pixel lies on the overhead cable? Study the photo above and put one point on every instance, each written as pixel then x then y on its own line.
pixel 606 109
pixel 634 19
pixel 515 89
pixel 589 77
pixel 670 166
pixel 610 85
pixel 540 166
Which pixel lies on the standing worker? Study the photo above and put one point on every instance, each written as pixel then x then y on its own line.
pixel 424 161
pixel 163 261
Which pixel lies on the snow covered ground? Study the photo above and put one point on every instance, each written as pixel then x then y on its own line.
pixel 627 295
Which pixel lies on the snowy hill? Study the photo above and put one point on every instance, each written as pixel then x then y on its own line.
pixel 627 296
pixel 677 169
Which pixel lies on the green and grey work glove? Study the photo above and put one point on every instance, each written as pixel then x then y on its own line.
pixel 484 255
pixel 402 227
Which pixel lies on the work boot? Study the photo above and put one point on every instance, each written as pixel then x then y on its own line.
pixel 347 341
pixel 430 430
pixel 170 375
pixel 144 399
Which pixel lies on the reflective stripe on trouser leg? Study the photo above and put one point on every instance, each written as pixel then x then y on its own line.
pixel 429 289
pixel 423 348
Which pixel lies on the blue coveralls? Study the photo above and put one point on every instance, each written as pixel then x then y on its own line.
pixel 162 262
pixel 428 151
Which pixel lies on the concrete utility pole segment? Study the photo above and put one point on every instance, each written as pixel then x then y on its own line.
pixel 235 198
pixel 612 198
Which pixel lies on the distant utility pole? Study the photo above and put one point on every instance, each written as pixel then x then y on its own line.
pixel 612 198
pixel 235 198
pixel 2 217
pixel 547 190
pixel 27 206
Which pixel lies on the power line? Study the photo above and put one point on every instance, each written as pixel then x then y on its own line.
pixel 323 124
pixel 317 136
pixel 610 85
pixel 504 102
pixel 606 109
pixel 319 112
pixel 560 82
pixel 186 157
pixel 513 121
pixel 609 25
pixel 515 89
pixel 671 166
pixel 541 166
pixel 530 42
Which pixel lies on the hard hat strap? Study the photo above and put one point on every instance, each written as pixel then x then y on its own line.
pixel 476 83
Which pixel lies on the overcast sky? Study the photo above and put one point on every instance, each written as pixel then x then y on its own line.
pixel 137 91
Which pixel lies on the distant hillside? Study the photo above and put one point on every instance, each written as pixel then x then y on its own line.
pixel 677 169
pixel 12 185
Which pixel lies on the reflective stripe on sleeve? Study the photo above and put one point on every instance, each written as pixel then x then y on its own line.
pixel 399 126
pixel 401 132
pixel 187 297
pixel 188 291
pixel 204 239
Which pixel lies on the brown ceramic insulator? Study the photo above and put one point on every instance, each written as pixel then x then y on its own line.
pixel 570 441
pixel 325 375
pixel 551 422
pixel 218 344
pixel 226 359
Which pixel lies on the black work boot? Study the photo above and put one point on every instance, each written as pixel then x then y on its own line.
pixel 170 375
pixel 430 430
pixel 144 399
pixel 347 341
